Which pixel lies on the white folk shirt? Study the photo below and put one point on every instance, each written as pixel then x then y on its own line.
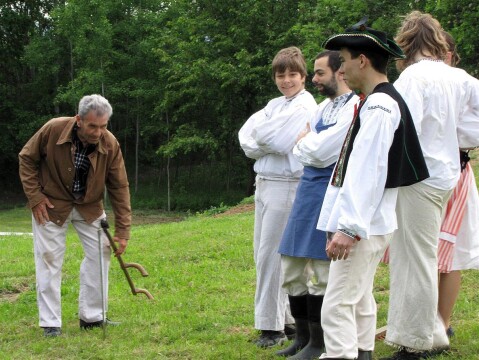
pixel 363 205
pixel 321 150
pixel 444 104
pixel 269 135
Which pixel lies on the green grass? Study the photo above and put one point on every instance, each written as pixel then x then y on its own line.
pixel 18 219
pixel 202 277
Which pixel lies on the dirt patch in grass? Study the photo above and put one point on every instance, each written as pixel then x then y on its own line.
pixel 237 210
pixel 159 218
pixel 143 217
pixel 12 295
pixel 239 330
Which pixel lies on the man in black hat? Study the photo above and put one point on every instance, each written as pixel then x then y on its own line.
pixel 381 152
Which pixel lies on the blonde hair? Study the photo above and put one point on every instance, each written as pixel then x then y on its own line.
pixel 291 59
pixel 420 34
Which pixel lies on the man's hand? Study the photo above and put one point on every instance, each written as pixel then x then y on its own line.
pixel 40 212
pixel 340 246
pixel 303 133
pixel 122 244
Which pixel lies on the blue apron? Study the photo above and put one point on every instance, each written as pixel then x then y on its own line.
pixel 300 237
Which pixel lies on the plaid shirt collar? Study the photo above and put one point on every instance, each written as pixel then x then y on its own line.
pixel 81 162
pixel 89 148
pixel 67 137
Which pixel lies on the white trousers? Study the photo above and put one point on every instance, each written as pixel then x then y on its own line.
pixel 273 203
pixel 348 316
pixel 303 276
pixel 413 319
pixel 49 242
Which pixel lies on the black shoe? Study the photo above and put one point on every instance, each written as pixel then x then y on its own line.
pixel 52 331
pixel 301 339
pixel 403 354
pixel 269 338
pixel 96 324
pixel 434 352
pixel 290 331
pixel 365 355
pixel 315 347
pixel 450 332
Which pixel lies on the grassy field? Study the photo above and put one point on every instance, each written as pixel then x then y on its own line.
pixel 202 277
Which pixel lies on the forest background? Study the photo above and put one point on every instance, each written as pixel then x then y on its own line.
pixel 182 77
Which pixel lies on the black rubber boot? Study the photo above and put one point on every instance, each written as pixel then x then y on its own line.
pixel 365 355
pixel 299 310
pixel 315 345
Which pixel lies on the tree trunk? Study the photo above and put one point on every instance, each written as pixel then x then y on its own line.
pixel 137 141
pixel 168 163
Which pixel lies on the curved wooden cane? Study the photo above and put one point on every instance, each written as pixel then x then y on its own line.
pixel 124 266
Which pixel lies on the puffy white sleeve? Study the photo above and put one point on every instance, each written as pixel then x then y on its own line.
pixel 411 90
pixel 365 178
pixel 468 122
pixel 249 145
pixel 321 150
pixel 278 133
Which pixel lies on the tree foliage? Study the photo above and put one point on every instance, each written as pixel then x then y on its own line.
pixel 182 76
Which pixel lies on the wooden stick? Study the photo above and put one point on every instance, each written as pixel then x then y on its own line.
pixel 124 266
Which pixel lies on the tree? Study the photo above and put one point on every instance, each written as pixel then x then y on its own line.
pixel 23 102
pixel 182 75
pixel 460 17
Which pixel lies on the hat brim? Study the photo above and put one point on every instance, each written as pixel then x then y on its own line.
pixel 363 40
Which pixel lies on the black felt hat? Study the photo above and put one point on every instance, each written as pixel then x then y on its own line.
pixel 359 36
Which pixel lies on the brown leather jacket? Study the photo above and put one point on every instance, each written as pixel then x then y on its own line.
pixel 47 170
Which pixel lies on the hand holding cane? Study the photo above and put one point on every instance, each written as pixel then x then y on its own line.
pixel 124 266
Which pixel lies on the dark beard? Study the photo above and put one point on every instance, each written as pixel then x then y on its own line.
pixel 330 90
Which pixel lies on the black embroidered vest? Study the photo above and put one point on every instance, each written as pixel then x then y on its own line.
pixel 406 164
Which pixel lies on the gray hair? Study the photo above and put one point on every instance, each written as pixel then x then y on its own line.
pixel 96 103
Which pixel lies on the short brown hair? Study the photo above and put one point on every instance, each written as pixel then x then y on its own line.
pixel 291 59
pixel 419 34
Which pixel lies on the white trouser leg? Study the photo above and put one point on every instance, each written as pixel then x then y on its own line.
pixel 439 336
pixel 303 276
pixel 348 315
pixel 90 297
pixel 49 249
pixel 413 269
pixel 318 282
pixel 366 314
pixel 273 200
pixel 296 272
